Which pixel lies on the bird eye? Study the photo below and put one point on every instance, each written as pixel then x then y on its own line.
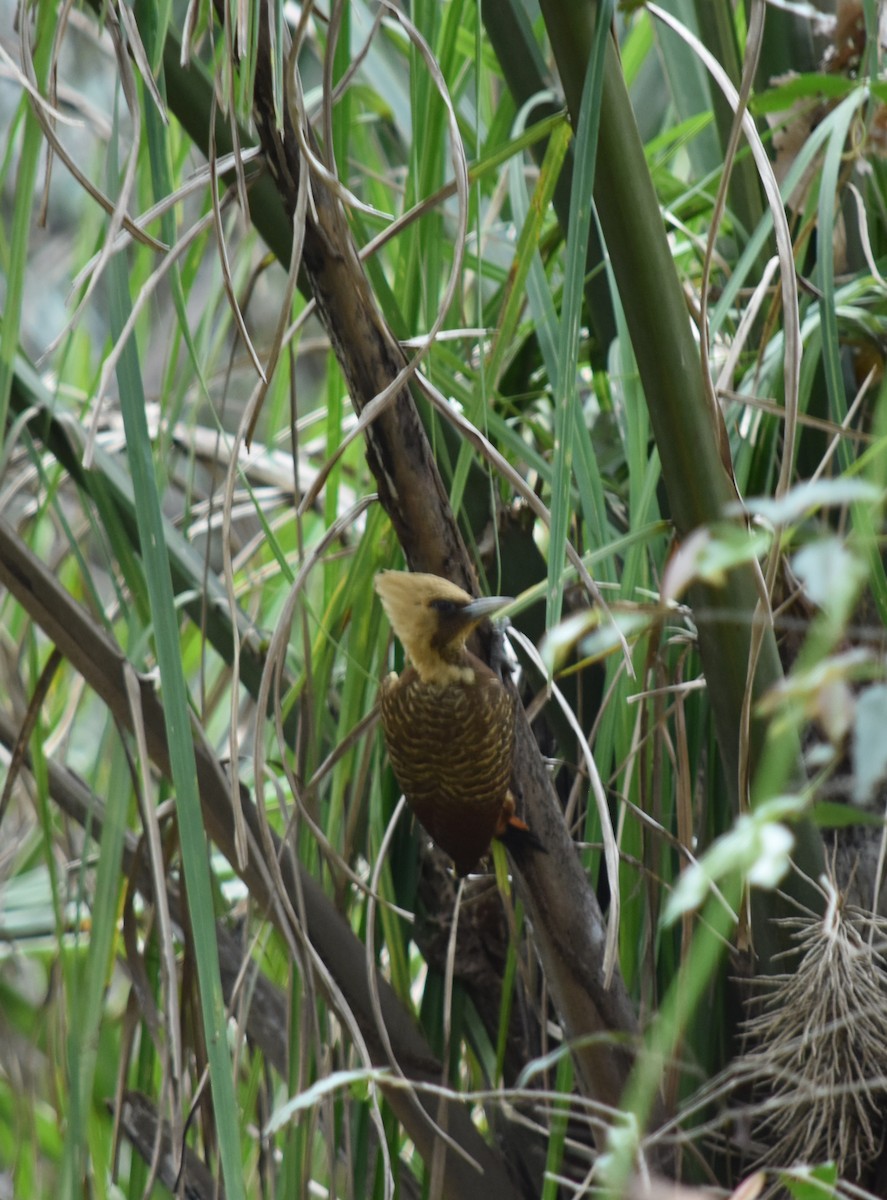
pixel 445 607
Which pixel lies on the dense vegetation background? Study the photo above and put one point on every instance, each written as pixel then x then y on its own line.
pixel 574 302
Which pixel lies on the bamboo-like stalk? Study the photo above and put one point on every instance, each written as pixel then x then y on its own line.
pixel 689 434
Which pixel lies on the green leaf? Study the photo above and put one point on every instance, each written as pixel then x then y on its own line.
pixel 334 1082
pixel 811 1183
pixel 812 85
pixel 831 574
pixel 829 815
pixel 870 743
pixel 810 496
pixel 757 850
pixel 708 554
pixel 597 635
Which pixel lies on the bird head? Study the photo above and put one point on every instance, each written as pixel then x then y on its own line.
pixel 432 618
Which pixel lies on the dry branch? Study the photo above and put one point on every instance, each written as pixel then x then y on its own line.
pixel 567 922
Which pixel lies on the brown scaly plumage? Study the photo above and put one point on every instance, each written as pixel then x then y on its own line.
pixel 448 719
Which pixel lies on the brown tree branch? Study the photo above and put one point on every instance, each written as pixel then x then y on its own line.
pixel 370 357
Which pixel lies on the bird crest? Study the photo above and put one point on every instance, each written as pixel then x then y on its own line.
pixel 433 619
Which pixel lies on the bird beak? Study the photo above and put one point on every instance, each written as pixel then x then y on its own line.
pixel 485 607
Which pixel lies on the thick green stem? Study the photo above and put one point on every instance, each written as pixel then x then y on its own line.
pixel 687 430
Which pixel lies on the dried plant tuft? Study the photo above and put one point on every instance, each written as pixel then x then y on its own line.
pixel 817 1060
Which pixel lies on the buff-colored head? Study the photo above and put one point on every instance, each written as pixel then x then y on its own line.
pixel 433 619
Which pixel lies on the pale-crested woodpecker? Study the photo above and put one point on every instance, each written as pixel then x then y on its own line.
pixel 448 719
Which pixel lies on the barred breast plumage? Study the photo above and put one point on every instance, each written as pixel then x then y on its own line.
pixel 451 747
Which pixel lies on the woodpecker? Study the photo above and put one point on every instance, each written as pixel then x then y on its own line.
pixel 448 719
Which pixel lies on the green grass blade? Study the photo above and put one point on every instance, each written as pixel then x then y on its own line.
pixel 192 836
pixel 568 417
pixel 23 214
